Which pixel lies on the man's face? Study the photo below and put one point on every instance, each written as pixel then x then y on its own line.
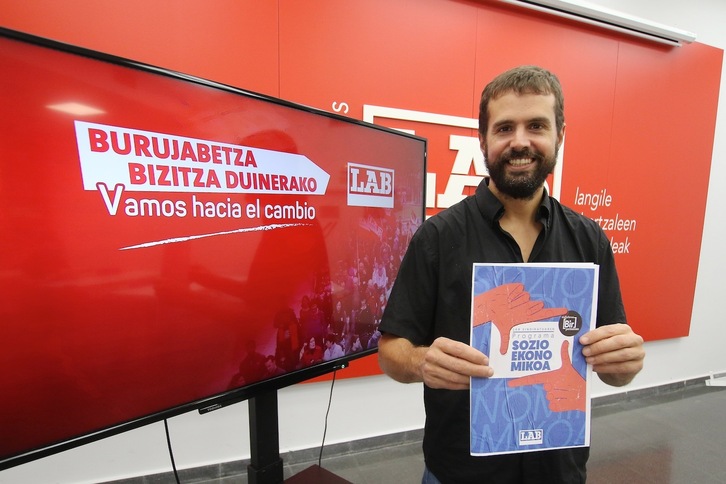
pixel 521 143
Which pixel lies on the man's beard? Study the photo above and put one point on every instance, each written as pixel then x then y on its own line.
pixel 520 186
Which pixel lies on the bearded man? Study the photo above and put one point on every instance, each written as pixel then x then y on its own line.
pixel 510 219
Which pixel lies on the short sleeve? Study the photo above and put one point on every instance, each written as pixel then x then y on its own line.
pixel 411 306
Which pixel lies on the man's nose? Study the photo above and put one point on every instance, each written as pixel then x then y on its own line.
pixel 520 138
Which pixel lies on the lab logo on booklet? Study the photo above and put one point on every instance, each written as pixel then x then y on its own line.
pixel 531 437
pixel 370 186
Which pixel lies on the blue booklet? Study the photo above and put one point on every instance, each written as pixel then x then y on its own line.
pixel 528 318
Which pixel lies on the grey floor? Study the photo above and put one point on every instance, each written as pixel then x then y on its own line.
pixel 674 436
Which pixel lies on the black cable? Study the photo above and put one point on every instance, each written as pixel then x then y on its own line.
pixel 171 452
pixel 325 429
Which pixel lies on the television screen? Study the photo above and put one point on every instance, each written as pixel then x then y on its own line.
pixel 167 243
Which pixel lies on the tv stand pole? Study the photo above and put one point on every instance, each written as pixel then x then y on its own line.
pixel 265 463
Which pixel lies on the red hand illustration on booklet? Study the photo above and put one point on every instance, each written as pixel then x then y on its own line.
pixel 507 306
pixel 565 387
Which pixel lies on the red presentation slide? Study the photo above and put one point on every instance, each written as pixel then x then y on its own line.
pixel 166 240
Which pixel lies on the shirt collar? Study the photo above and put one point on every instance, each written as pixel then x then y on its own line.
pixel 492 209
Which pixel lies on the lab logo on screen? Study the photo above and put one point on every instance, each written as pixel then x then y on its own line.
pixel 370 186
pixel 531 437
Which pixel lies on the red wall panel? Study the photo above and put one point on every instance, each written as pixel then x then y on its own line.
pixel 640 117
pixel 228 41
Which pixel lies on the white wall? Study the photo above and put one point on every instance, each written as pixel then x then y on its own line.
pixel 375 406
pixel 700 352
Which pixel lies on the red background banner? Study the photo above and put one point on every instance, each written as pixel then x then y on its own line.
pixel 640 116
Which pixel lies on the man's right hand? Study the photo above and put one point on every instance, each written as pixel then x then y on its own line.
pixel 450 364
pixel 445 364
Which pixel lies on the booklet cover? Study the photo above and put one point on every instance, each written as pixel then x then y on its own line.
pixel 528 318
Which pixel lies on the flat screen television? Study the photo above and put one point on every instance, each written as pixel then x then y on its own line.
pixel 170 244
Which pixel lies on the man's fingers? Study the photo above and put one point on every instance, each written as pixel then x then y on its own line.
pixel 459 351
pixel 450 364
pixel 437 377
pixel 615 342
pixel 604 333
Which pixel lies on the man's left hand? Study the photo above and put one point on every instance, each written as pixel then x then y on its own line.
pixel 615 352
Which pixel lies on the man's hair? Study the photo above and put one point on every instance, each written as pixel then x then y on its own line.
pixel 522 80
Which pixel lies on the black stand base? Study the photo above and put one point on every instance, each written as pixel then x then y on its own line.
pixel 270 474
pixel 316 475
pixel 265 462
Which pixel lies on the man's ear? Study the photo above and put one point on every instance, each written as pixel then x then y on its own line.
pixel 482 143
pixel 561 136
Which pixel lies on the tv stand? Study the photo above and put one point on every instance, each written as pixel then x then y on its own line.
pixel 265 462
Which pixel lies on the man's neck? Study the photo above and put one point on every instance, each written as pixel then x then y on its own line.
pixel 516 209
pixel 520 219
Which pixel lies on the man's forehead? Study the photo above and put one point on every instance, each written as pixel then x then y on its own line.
pixel 512 102
pixel 523 96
